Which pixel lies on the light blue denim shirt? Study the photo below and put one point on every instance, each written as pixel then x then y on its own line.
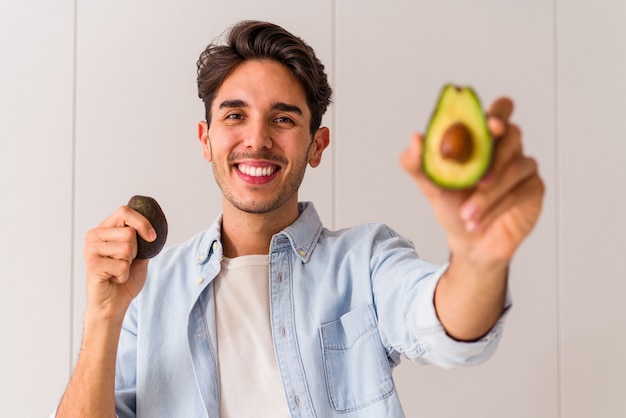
pixel 344 305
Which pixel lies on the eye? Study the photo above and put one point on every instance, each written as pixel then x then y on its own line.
pixel 233 118
pixel 284 119
pixel 236 116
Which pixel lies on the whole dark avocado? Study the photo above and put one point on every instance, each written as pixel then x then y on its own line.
pixel 150 209
pixel 457 145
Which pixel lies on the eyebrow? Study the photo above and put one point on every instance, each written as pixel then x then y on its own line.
pixel 285 107
pixel 227 104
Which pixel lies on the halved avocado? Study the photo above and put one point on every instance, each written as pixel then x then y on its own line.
pixel 151 209
pixel 457 145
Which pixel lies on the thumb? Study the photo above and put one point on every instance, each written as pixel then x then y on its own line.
pixel 411 158
pixel 411 162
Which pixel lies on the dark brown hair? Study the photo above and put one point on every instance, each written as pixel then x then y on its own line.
pixel 250 40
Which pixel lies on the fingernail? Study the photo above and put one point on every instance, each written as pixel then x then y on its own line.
pixel 470 225
pixel 152 235
pixel 496 125
pixel 468 212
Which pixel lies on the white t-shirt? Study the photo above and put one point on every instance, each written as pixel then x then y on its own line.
pixel 250 384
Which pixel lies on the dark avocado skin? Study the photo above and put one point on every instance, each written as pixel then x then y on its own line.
pixel 150 209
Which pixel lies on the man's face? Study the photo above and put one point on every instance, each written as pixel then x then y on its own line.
pixel 258 138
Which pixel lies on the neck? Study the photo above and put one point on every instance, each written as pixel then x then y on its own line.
pixel 246 233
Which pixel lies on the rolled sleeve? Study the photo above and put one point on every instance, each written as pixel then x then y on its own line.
pixel 436 346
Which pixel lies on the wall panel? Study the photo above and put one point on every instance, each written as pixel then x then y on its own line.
pixel 592 226
pixel 36 99
pixel 391 59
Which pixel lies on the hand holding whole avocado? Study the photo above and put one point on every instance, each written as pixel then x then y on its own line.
pixel 116 255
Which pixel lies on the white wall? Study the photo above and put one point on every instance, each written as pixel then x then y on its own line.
pixel 98 102
pixel 36 177
pixel 591 197
pixel 389 72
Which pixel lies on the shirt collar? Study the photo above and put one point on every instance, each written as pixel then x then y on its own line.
pixel 211 242
pixel 304 232
pixel 302 235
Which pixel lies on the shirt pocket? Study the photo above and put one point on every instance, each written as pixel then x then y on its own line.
pixel 356 366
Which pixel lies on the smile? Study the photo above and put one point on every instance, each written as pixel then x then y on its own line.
pixel 257 171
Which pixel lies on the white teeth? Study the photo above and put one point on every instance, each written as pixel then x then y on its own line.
pixel 256 171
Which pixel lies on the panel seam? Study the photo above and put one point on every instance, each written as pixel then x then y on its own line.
pixel 334 159
pixel 72 309
pixel 557 225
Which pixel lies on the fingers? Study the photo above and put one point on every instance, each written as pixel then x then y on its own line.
pixel 498 117
pixel 486 202
pixel 126 216
pixel 411 157
pixel 501 108
pixel 111 247
pixel 505 150
pixel 109 252
pixel 112 242
pixel 410 161
pixel 104 269
pixel 524 202
pixel 509 167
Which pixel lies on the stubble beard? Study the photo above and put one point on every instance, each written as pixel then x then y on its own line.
pixel 286 193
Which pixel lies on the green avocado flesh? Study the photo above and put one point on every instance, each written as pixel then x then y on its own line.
pixel 457 144
pixel 151 210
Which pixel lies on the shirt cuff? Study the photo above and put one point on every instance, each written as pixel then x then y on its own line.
pixel 436 346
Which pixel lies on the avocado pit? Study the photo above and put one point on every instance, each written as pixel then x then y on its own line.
pixel 457 143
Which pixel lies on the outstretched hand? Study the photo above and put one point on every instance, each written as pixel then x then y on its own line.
pixel 488 222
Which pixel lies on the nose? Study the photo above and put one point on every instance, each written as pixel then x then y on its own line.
pixel 257 135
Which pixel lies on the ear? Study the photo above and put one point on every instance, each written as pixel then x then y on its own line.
pixel 321 139
pixel 203 137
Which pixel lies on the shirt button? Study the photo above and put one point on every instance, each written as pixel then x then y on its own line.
pixel 280 278
pixel 283 331
pixel 302 253
pixel 215 246
pixel 298 401
pixel 200 280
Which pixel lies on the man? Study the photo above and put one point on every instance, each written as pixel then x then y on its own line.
pixel 267 313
